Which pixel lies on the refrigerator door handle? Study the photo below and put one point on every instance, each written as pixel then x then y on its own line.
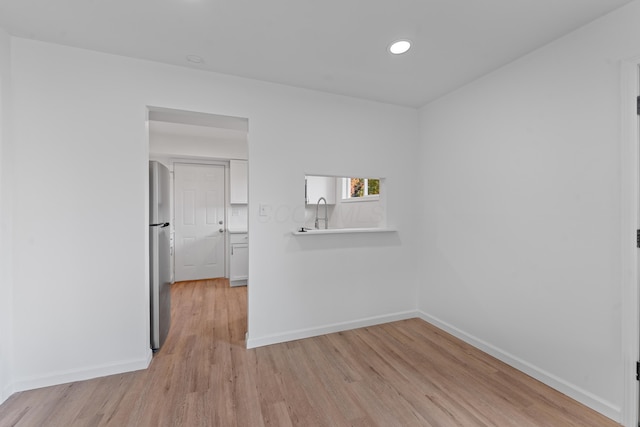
pixel 160 224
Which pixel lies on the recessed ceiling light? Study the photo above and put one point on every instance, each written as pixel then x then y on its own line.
pixel 399 47
pixel 195 59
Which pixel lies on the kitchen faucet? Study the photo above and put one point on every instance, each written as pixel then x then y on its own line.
pixel 326 214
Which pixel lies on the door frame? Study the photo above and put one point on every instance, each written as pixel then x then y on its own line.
pixel 630 222
pixel 197 118
pixel 210 162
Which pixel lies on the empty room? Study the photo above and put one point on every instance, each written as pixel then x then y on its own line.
pixel 426 213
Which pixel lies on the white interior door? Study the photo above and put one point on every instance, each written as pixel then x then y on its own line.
pixel 199 217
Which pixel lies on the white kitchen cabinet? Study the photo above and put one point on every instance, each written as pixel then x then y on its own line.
pixel 238 178
pixel 239 263
pixel 320 186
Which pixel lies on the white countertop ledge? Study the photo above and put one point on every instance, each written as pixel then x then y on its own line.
pixel 315 232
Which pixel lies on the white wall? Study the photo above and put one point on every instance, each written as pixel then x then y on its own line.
pixel 6 294
pixel 81 227
pixel 521 211
pixel 162 144
pixel 519 218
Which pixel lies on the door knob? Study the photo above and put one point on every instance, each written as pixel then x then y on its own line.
pixel 221 230
pixel 220 222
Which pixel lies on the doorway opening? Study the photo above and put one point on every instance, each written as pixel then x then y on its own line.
pixel 207 158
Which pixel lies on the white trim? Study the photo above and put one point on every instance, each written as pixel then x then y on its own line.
pixel 346 194
pixel 191 160
pixel 6 393
pixel 604 407
pixel 328 329
pixel 73 375
pixel 629 200
pixel 373 198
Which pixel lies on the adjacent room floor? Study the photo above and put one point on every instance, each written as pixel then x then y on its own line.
pixel 405 373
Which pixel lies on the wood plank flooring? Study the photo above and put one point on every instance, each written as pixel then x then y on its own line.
pixel 405 373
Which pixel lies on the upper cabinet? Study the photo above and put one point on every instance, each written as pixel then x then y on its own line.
pixel 320 186
pixel 238 178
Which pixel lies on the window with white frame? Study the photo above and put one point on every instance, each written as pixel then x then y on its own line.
pixel 360 188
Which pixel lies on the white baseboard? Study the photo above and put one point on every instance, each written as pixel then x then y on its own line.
pixel 64 377
pixel 6 393
pixel 328 329
pixel 586 398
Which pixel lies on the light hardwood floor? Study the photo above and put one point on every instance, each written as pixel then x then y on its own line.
pixel 405 373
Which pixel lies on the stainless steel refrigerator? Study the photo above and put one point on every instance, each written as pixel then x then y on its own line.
pixel 159 253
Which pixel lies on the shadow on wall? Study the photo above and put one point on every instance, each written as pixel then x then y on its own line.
pixel 343 241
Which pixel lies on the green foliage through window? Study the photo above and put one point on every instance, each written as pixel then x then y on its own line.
pixel 362 187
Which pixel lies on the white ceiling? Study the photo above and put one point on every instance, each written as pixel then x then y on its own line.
pixel 338 46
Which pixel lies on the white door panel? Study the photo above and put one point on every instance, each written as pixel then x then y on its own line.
pixel 189 207
pixel 199 211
